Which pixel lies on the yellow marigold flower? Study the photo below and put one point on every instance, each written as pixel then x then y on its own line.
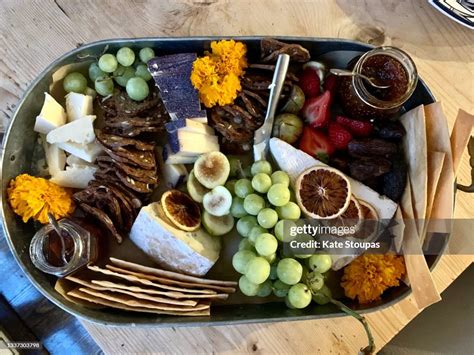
pixel 216 75
pixel 368 276
pixel 33 197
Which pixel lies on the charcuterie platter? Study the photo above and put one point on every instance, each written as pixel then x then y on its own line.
pixel 132 192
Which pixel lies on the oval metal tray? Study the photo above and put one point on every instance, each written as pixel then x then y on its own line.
pixel 17 156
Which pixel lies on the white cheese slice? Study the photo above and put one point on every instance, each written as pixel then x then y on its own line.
pixel 75 177
pixel 79 131
pixel 172 174
pixel 72 160
pixel 178 158
pixel 197 127
pixel 52 115
pixel 191 143
pixel 78 105
pixel 88 152
pixel 193 253
pixel 55 158
pixel 295 161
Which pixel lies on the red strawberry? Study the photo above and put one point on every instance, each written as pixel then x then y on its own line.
pixel 309 82
pixel 316 110
pixel 315 143
pixel 330 83
pixel 356 127
pixel 339 136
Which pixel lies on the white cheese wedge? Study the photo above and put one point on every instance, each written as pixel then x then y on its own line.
pixel 191 143
pixel 52 115
pixel 178 158
pixel 193 253
pixel 295 161
pixel 172 174
pixel 88 152
pixel 78 105
pixel 190 125
pixel 79 131
pixel 76 177
pixel 55 158
pixel 72 160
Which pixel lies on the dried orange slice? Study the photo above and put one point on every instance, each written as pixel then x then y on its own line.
pixel 181 210
pixel 351 217
pixel 323 192
pixel 369 224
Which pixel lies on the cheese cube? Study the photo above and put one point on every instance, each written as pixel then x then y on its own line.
pixel 75 177
pixel 88 152
pixel 192 143
pixel 193 253
pixel 79 131
pixel 189 125
pixel 55 158
pixel 72 160
pixel 52 115
pixel 178 158
pixel 78 105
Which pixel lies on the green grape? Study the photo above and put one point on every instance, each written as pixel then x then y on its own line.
pixel 288 304
pixel 258 270
pixel 255 232
pixel 320 263
pixel 292 196
pixel 273 271
pixel 270 258
pixel 314 280
pixel 108 63
pixel 253 204
pixel 322 296
pixel 91 92
pixel 299 296
pixel 261 166
pixel 280 177
pixel 95 71
pixel 230 185
pixel 261 182
pixel 282 230
pixel 247 287
pixel 302 256
pixel 235 167
pixel 289 271
pixel 123 74
pixel 278 195
pixel 289 211
pixel 266 244
pixel 243 187
pixel 146 54
pixel 125 56
pixel 104 86
pixel 247 173
pixel 237 208
pixel 245 244
pixel 137 89
pixel 267 218
pixel 75 82
pixel 142 72
pixel 280 289
pixel 241 259
pixel 245 224
pixel 265 289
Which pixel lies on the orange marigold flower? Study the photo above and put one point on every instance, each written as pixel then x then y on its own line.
pixel 368 276
pixel 34 197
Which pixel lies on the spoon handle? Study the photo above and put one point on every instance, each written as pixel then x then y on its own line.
pixel 342 72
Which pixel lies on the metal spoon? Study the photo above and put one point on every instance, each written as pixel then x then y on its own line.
pixel 57 229
pixel 342 72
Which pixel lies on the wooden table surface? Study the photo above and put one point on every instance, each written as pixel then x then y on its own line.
pixel 33 33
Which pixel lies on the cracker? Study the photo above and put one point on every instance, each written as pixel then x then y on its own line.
pixel 460 136
pixel 62 286
pixel 100 301
pixel 168 281
pixel 169 274
pixel 158 299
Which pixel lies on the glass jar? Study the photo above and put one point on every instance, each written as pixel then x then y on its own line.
pixel 387 66
pixel 80 248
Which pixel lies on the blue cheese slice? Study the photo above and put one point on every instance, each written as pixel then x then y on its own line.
pixel 193 253
pixel 295 161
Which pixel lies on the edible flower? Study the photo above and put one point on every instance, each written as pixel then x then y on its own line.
pixel 217 75
pixel 34 197
pixel 368 276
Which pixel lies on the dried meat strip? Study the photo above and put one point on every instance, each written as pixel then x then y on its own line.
pixel 102 217
pixel 271 49
pixel 114 142
pixel 133 184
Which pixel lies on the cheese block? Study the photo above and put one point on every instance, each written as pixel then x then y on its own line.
pixel 172 174
pixel 79 131
pixel 72 160
pixel 55 158
pixel 179 158
pixel 191 143
pixel 78 106
pixel 74 176
pixel 88 152
pixel 52 115
pixel 189 125
pixel 295 161
pixel 193 253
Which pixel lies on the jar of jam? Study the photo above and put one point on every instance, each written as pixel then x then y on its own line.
pixel 60 255
pixel 386 66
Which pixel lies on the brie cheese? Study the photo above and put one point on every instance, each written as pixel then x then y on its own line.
pixel 79 131
pixel 78 105
pixel 193 253
pixel 76 177
pixel 52 115
pixel 88 152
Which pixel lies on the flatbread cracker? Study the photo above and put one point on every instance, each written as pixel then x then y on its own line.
pixel 100 301
pixel 168 281
pixel 169 274
pixel 460 136
pixel 133 302
pixel 136 279
pixel 416 150
pixel 139 295
pixel 63 286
